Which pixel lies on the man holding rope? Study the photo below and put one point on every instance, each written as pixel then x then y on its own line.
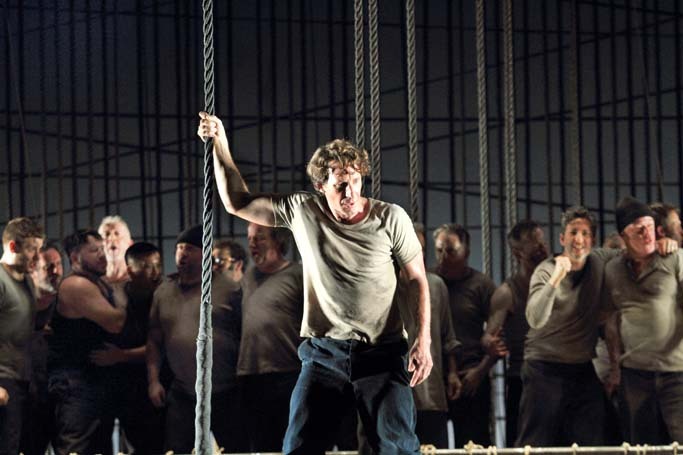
pixel 355 344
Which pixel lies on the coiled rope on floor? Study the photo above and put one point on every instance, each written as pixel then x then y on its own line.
pixel 203 442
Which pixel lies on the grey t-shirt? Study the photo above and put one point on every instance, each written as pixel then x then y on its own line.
pixel 175 311
pixel 651 315
pixel 430 395
pixel 470 303
pixel 571 331
pixel 272 307
pixel 349 269
pixel 17 316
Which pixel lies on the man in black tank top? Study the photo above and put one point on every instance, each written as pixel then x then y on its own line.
pixel 507 326
pixel 88 311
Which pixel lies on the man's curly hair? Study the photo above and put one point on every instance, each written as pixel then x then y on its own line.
pixel 341 151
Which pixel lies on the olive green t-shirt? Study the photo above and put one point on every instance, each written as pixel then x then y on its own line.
pixel 430 395
pixel 651 326
pixel 350 271
pixel 470 303
pixel 176 311
pixel 17 314
pixel 272 305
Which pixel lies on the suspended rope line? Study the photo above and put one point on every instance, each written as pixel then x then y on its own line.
pixel 360 74
pixel 509 129
pixel 376 158
pixel 89 121
pixel 58 96
pixel 22 125
pixel 412 107
pixel 484 178
pixel 574 99
pixel 204 338
pixel 651 120
pixel 43 119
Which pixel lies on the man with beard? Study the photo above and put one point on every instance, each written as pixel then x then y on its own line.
pixel 667 221
pixel 116 235
pixel 272 308
pixel 230 259
pixel 645 330
pixel 507 325
pixel 21 240
pixel 141 421
pixel 562 398
pixel 88 311
pixel 47 275
pixel 173 329
pixel 469 296
pixel 351 246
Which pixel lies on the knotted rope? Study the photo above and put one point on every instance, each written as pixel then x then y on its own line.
pixel 412 107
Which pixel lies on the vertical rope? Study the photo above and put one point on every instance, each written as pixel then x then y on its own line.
pixel 105 106
pixel 576 114
pixel 89 121
pixel 359 73
pixel 483 139
pixel 509 134
pixel 375 155
pixel 43 119
pixel 412 107
pixel 204 337
pixel 58 103
pixel 484 185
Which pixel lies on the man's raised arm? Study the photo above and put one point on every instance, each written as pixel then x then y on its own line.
pixel 237 199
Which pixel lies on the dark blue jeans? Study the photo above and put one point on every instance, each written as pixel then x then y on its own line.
pixel 651 406
pixel 265 408
pixel 12 415
pixel 84 405
pixel 335 375
pixel 225 421
pixel 561 404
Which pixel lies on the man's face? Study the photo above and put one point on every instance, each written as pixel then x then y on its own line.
pixel 533 248
pixel 342 190
pixel 672 227
pixel 27 254
pixel 577 240
pixel 146 271
pixel 188 260
pixel 639 237
pixel 39 275
pixel 91 257
pixel 116 241
pixel 53 265
pixel 224 263
pixel 450 251
pixel 262 247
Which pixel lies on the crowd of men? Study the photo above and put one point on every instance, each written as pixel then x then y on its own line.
pixel 314 354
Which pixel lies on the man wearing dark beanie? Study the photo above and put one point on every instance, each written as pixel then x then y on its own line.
pixel 645 330
pixel 173 327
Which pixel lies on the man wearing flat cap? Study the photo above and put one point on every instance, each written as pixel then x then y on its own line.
pixel 173 328
pixel 645 331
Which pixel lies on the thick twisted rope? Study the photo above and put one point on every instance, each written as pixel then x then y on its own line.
pixel 483 139
pixel 360 74
pixel 374 101
pixel 509 102
pixel 412 107
pixel 204 338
